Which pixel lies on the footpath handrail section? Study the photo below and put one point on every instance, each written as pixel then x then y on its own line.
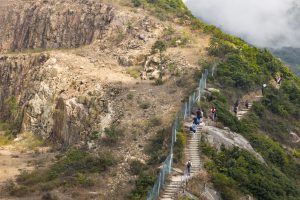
pixel 185 112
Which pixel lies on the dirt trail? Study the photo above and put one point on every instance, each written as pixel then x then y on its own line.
pixel 250 97
pixel 25 153
pixel 12 162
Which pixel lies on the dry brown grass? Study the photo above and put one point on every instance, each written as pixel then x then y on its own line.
pixel 196 185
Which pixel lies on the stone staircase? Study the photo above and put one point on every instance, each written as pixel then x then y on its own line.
pixel 177 182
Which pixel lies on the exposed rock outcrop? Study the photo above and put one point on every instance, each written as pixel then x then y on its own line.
pixel 217 137
pixel 54 24
pixel 50 102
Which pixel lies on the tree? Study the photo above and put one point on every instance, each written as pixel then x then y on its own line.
pixel 161 47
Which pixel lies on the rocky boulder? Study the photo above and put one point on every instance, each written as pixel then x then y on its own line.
pixel 218 137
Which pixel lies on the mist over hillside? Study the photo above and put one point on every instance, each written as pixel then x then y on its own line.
pixel 290 56
pixel 269 23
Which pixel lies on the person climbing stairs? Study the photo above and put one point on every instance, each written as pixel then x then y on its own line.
pixel 178 182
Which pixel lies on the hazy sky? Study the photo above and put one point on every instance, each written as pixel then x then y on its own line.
pixel 265 23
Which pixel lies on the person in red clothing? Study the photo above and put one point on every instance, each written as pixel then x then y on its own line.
pixel 213 111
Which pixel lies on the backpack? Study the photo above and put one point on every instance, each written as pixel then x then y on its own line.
pixel 189 164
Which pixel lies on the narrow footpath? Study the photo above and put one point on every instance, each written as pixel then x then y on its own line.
pixel 242 110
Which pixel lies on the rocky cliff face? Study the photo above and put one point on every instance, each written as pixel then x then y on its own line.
pixel 53 24
pixel 50 101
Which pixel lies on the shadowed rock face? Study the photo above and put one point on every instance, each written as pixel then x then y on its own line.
pixel 53 24
pixel 37 94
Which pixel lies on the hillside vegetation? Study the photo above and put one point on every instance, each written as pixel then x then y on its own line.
pixel 242 68
pixel 121 120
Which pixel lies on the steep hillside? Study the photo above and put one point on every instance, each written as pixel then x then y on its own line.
pixel 84 75
pixel 96 85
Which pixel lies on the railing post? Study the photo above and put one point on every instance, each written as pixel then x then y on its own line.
pixel 171 162
pixel 185 110
pixel 158 186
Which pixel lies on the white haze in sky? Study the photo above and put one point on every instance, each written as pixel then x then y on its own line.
pixel 265 23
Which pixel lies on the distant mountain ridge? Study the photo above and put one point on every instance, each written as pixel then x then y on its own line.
pixel 291 56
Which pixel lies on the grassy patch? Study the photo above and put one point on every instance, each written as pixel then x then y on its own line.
pixel 29 141
pixel 133 72
pixel 145 105
pixel 137 167
pixel 179 147
pixel 155 121
pixel 4 139
pixel 158 147
pixel 142 185
pixel 112 135
pixel 74 168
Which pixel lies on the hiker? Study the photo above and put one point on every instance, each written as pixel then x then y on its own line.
pixel 188 167
pixel 263 88
pixel 279 80
pixel 235 110
pixel 213 111
pixel 193 128
pixel 196 121
pixel 236 104
pixel 199 114
pixel 247 104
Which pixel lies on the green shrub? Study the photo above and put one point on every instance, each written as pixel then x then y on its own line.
pixel 145 105
pixel 235 171
pixel 130 96
pixel 159 82
pixel 207 149
pixel 155 121
pixel 170 6
pixel 133 72
pixel 136 3
pixel 112 135
pixel 94 135
pixel 72 169
pixel 143 185
pixel 13 106
pixel 49 196
pixel 137 167
pixel 4 139
pixel 179 147
pixel 157 148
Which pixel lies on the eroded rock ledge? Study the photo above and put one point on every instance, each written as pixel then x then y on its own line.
pixel 53 24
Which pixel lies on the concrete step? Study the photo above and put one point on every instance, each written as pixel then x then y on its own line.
pixel 196 159
pixel 171 185
pixel 192 153
pixel 172 191
pixel 166 198
pixel 196 166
